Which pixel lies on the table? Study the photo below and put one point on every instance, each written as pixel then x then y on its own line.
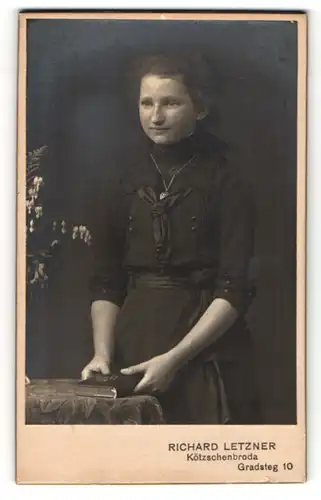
pixel 54 401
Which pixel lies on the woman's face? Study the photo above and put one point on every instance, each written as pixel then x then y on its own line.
pixel 167 113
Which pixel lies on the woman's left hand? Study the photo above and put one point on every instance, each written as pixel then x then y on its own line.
pixel 158 373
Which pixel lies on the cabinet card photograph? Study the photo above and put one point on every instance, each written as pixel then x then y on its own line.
pixel 161 247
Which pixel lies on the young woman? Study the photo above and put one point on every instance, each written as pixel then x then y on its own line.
pixel 172 257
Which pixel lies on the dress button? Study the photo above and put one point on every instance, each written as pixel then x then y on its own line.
pixel 228 282
pixel 225 290
pixel 130 228
pixel 193 228
pixel 193 217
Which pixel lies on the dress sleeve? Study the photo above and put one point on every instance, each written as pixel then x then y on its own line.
pixel 236 242
pixel 108 277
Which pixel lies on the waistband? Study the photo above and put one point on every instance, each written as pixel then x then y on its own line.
pixel 200 278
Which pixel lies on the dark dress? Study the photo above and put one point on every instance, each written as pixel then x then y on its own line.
pixel 164 261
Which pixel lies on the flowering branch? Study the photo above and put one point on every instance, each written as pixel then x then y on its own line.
pixel 43 234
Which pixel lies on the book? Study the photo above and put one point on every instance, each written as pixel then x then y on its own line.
pixel 108 386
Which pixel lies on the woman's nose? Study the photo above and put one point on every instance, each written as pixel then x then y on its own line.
pixel 157 115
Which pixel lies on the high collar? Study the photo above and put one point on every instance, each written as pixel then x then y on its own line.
pixel 177 153
pixel 208 150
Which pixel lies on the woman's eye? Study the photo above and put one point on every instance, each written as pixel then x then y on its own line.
pixel 146 104
pixel 172 104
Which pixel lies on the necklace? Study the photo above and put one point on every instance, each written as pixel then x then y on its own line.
pixel 167 187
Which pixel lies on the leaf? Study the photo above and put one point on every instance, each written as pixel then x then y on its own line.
pixel 43 405
pixel 66 412
pixel 35 155
pixel 104 411
pixel 89 405
pixel 52 406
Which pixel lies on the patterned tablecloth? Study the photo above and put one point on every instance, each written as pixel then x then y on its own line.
pixel 56 402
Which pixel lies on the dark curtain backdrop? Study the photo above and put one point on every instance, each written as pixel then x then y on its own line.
pixel 76 106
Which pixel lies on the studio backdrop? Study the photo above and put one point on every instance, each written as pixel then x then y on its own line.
pixel 77 107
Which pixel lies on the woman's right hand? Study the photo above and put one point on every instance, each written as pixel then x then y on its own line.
pixel 97 364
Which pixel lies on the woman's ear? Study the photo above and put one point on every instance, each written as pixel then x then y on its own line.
pixel 202 114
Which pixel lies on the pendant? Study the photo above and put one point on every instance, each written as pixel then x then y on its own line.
pixel 163 195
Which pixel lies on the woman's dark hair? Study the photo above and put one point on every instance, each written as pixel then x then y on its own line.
pixel 192 67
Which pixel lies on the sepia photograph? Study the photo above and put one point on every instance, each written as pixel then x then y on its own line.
pixel 161 244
